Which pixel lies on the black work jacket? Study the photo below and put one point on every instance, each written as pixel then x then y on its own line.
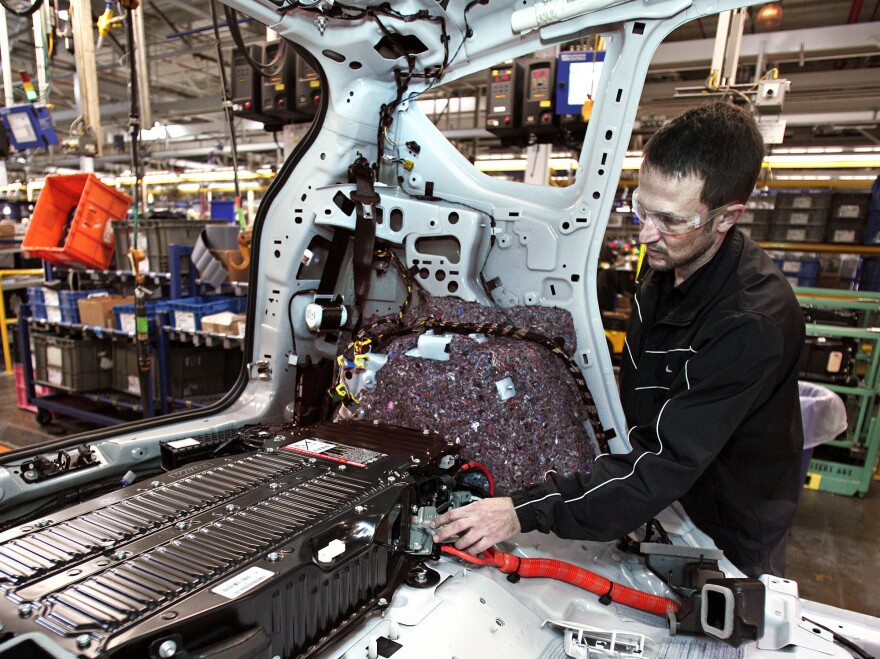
pixel 711 397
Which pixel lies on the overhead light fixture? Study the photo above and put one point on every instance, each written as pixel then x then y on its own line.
pixel 769 16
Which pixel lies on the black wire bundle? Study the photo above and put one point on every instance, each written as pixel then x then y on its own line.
pixel 841 640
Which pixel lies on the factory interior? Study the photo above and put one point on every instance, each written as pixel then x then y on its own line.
pixel 144 149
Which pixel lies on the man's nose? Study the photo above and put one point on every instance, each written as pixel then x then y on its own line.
pixel 648 232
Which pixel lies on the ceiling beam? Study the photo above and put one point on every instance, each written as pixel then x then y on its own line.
pixel 863 38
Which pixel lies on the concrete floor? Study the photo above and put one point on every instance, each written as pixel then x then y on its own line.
pixel 833 552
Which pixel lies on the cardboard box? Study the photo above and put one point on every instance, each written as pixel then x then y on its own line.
pixel 225 322
pixel 7 230
pixel 228 256
pixel 98 310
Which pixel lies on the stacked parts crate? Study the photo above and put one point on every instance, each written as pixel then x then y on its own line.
pixel 154 238
pixel 198 371
pixel 756 218
pixel 800 216
pixel 849 215
pixel 126 377
pixel 71 364
pixel 800 268
pixel 72 221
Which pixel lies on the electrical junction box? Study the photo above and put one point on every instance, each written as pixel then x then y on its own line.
pixel 247 97
pixel 308 90
pixel 279 90
pixel 771 94
pixel 504 102
pixel 538 112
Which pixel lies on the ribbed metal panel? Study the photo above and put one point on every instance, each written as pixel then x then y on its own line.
pixel 151 557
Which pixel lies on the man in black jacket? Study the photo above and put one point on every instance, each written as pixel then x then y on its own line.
pixel 708 376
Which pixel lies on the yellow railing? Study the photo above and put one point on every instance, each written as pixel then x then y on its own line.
pixel 4 321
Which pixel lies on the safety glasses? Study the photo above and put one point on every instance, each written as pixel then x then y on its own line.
pixel 674 225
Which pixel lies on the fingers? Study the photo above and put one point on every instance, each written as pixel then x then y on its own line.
pixel 478 526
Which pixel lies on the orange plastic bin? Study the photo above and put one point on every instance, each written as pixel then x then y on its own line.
pixel 71 221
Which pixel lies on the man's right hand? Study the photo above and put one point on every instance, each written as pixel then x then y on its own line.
pixel 479 525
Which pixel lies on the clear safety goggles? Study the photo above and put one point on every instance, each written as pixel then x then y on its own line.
pixel 673 224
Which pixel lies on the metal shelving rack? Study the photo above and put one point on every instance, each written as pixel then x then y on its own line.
pixel 68 404
pixel 846 466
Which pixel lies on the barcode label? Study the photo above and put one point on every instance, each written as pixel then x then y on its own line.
pixel 185 320
pixel 240 584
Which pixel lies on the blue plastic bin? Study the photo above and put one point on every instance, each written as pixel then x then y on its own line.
pixel 188 312
pixel 124 315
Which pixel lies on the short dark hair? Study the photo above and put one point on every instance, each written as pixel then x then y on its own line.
pixel 717 142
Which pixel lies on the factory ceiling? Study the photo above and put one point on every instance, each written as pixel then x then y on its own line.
pixel 830 50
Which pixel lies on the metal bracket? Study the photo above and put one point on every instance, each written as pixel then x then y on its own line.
pixel 260 370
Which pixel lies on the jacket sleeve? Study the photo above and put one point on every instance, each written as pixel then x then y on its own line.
pixel 735 368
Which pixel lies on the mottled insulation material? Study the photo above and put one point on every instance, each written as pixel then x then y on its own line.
pixel 540 428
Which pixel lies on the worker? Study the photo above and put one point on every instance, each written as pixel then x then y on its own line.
pixel 709 372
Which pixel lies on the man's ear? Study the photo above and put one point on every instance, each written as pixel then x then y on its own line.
pixel 726 221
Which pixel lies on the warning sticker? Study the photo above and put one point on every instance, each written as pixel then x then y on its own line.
pixel 358 457
pixel 240 584
pixel 183 443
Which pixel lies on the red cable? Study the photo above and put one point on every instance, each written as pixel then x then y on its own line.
pixel 463 555
pixel 562 571
pixel 483 469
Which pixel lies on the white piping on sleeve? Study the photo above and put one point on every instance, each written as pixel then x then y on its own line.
pixel 630 353
pixel 665 352
pixel 638 307
pixel 651 387
pixel 687 378
pixel 619 478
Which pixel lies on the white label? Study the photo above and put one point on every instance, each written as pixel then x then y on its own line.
pixel 50 296
pixel 134 385
pixel 804 201
pixel 796 234
pixel 311 445
pixel 107 238
pixel 54 356
pixel 126 322
pixel 847 210
pixel 791 266
pixel 240 584
pixel 799 218
pixel 183 443
pixel 499 108
pixel 835 361
pixel 53 314
pixel 184 320
pixel 845 236
pixel 55 375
